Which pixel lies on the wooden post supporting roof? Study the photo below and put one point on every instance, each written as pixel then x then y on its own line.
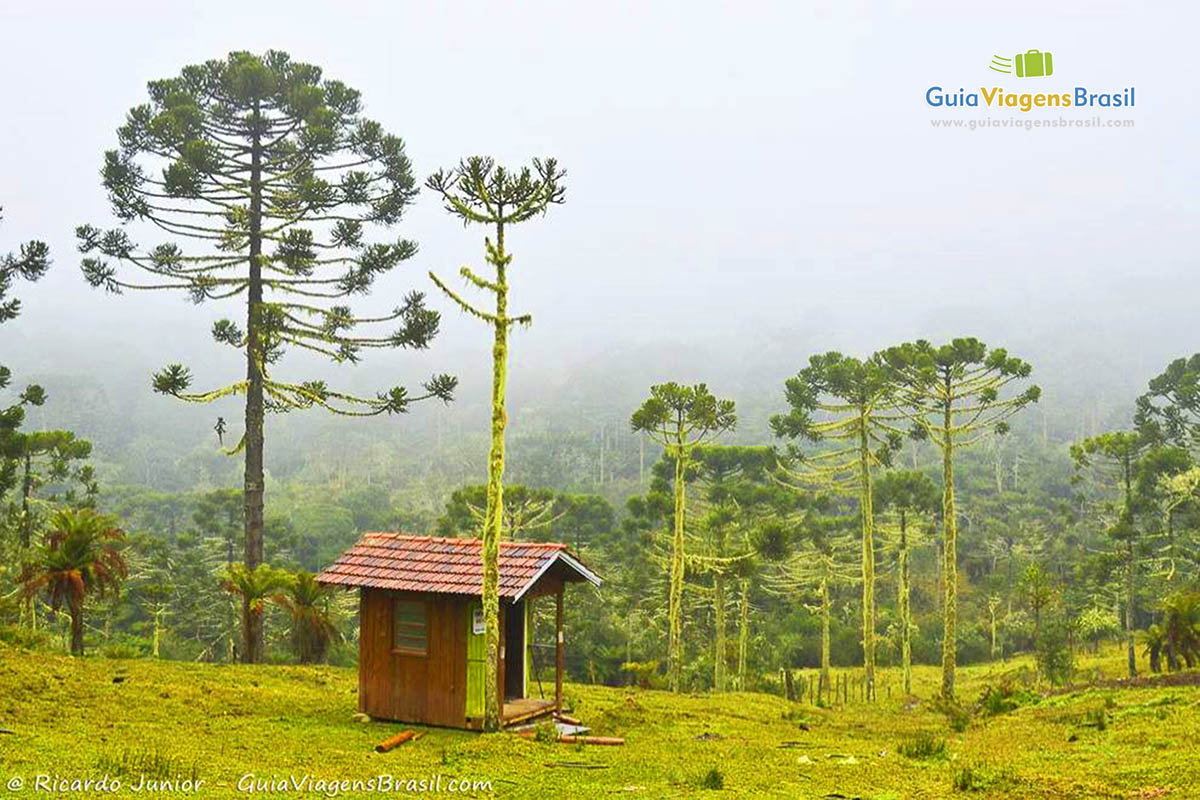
pixel 558 650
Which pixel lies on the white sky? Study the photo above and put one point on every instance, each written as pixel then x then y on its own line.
pixel 734 170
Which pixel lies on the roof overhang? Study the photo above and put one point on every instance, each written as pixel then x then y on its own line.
pixel 570 561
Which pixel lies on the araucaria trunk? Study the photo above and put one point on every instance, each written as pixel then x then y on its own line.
pixel 905 611
pixel 868 558
pixel 252 646
pixel 1130 566
pixel 719 654
pixel 493 521
pixel 949 561
pixel 1130 653
pixel 675 601
pixel 743 635
pixel 825 610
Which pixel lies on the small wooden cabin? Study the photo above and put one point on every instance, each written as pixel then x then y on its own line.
pixel 421 644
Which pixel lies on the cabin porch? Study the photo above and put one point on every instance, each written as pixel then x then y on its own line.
pixel 525 709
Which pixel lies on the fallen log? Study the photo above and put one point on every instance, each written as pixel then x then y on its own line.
pixel 605 740
pixel 613 741
pixel 568 720
pixel 397 740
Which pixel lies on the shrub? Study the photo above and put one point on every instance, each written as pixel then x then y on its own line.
pixel 643 674
pixel 546 733
pixel 924 747
pixel 958 716
pixel 26 639
pixel 982 779
pixel 965 780
pixel 713 779
pixel 1053 655
pixel 125 647
pixel 1097 624
pixel 151 764
pixel 1003 698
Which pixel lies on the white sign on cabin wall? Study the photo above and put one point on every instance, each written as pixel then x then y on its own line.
pixel 477 626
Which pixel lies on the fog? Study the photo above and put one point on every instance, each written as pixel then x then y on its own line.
pixel 747 184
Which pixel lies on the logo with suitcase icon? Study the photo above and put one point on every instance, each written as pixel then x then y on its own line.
pixel 1030 64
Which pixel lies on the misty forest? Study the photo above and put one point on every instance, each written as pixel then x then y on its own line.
pixel 962 560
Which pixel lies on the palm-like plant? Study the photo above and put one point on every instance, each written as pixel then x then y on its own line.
pixel 1154 638
pixel 313 618
pixel 1181 625
pixel 80 556
pixel 254 585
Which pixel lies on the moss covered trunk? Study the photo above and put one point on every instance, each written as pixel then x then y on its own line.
pixel 743 635
pixel 493 521
pixel 675 600
pixel 949 557
pixel 904 590
pixel 868 556
pixel 719 670
pixel 1130 567
pixel 825 613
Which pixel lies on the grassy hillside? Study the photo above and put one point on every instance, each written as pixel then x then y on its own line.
pixel 86 718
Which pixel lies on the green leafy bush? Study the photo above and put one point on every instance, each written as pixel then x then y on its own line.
pixel 957 715
pixel 1053 655
pixel 923 747
pixel 1003 698
pixel 713 779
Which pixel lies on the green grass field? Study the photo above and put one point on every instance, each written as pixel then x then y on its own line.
pixel 76 719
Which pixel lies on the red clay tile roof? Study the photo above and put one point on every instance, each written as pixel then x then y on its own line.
pixel 404 562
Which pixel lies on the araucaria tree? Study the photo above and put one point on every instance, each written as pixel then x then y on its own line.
pixel 29 263
pixel 1112 459
pixel 680 419
pixel 955 395
pixel 906 499
pixel 736 503
pixel 817 559
pixel 845 402
pixel 267 186
pixel 1169 412
pixel 479 192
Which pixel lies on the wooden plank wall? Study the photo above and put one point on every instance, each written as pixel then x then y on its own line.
pixel 427 689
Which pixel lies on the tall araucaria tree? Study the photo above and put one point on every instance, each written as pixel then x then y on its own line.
pixel 846 402
pixel 479 192
pixel 816 559
pixel 29 263
pixel 680 419
pixel 1169 411
pixel 1112 459
pixel 907 499
pixel 955 395
pixel 268 188
pixel 736 500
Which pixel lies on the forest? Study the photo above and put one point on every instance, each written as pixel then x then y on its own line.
pixel 808 524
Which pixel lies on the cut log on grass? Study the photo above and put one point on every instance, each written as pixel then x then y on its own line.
pixel 566 719
pixel 396 741
pixel 612 741
pixel 603 740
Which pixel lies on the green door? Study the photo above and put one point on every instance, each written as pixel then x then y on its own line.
pixel 476 653
pixel 528 644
